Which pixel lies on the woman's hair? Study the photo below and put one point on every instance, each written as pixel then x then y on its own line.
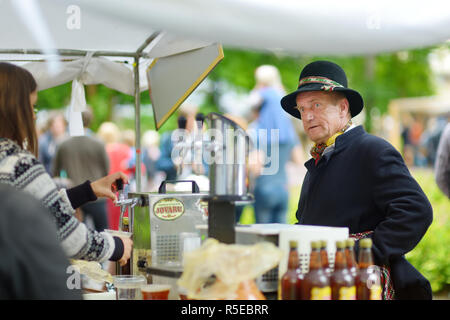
pixel 268 75
pixel 16 113
pixel 109 132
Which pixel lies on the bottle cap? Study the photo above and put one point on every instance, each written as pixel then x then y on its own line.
pixel 365 243
pixel 315 244
pixel 340 244
pixel 323 244
pixel 350 242
pixel 293 244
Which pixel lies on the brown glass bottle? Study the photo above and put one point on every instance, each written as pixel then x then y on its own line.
pixel 368 277
pixel 291 281
pixel 316 285
pixel 324 258
pixel 341 281
pixel 126 269
pixel 350 256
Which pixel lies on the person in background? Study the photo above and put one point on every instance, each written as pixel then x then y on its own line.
pixel 119 155
pixel 84 158
pixel 20 168
pixel 151 154
pixel 415 135
pixel 358 180
pixel 129 138
pixel 33 265
pixel 271 188
pixel 51 138
pixel 442 165
pixel 174 168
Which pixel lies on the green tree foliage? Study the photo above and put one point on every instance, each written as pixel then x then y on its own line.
pixel 378 78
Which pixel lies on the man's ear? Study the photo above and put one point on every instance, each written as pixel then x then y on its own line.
pixel 344 106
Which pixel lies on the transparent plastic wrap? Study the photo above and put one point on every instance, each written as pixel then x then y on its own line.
pixel 92 274
pixel 227 271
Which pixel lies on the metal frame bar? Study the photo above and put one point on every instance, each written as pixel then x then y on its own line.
pixel 70 52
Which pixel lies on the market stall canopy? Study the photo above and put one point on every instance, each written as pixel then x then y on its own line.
pixel 351 27
pixel 60 42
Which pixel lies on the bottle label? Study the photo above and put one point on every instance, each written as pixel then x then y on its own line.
pixel 347 293
pixel 321 293
pixel 375 292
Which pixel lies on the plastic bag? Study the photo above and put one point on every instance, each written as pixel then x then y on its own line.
pixel 227 271
pixel 93 270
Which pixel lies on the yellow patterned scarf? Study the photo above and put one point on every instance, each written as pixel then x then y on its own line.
pixel 317 150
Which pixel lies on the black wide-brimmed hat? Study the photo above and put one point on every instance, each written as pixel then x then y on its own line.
pixel 322 76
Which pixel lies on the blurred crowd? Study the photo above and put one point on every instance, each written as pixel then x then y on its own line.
pixel 110 149
pixel 420 138
pixel 71 159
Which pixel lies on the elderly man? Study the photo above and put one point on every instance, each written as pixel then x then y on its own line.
pixel 358 180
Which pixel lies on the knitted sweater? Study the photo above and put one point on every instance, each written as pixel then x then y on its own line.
pixel 22 170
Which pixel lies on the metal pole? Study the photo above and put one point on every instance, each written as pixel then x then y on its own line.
pixel 137 109
pixel 137 122
pixel 69 52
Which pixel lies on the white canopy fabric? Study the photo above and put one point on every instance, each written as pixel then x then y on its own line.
pixel 350 27
pixel 57 25
pixel 310 27
pixel 327 27
pixel 114 75
pixel 51 25
pixel 36 33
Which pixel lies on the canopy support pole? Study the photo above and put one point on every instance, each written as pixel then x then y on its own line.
pixel 137 116
pixel 137 108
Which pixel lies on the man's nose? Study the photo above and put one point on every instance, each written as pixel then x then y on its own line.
pixel 308 115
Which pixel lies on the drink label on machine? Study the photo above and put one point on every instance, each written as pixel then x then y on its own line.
pixel 168 209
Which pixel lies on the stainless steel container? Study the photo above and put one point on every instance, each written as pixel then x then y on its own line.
pixel 227 153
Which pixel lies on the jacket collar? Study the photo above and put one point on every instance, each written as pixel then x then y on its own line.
pixel 340 144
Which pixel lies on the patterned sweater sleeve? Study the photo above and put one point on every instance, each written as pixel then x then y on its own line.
pixel 78 241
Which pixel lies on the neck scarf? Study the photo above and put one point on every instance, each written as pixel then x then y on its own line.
pixel 317 150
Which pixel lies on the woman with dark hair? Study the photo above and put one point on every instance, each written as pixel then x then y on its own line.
pixel 20 168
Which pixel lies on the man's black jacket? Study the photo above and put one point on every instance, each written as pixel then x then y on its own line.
pixel 365 185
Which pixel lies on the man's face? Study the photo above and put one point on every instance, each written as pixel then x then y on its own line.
pixel 323 114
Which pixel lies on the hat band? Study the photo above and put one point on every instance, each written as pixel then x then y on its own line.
pixel 329 84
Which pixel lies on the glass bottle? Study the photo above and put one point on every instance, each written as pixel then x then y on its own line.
pixel 324 258
pixel 368 278
pixel 316 285
pixel 341 281
pixel 350 256
pixel 291 281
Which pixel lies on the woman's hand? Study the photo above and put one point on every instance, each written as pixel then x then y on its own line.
pixel 127 247
pixel 105 187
